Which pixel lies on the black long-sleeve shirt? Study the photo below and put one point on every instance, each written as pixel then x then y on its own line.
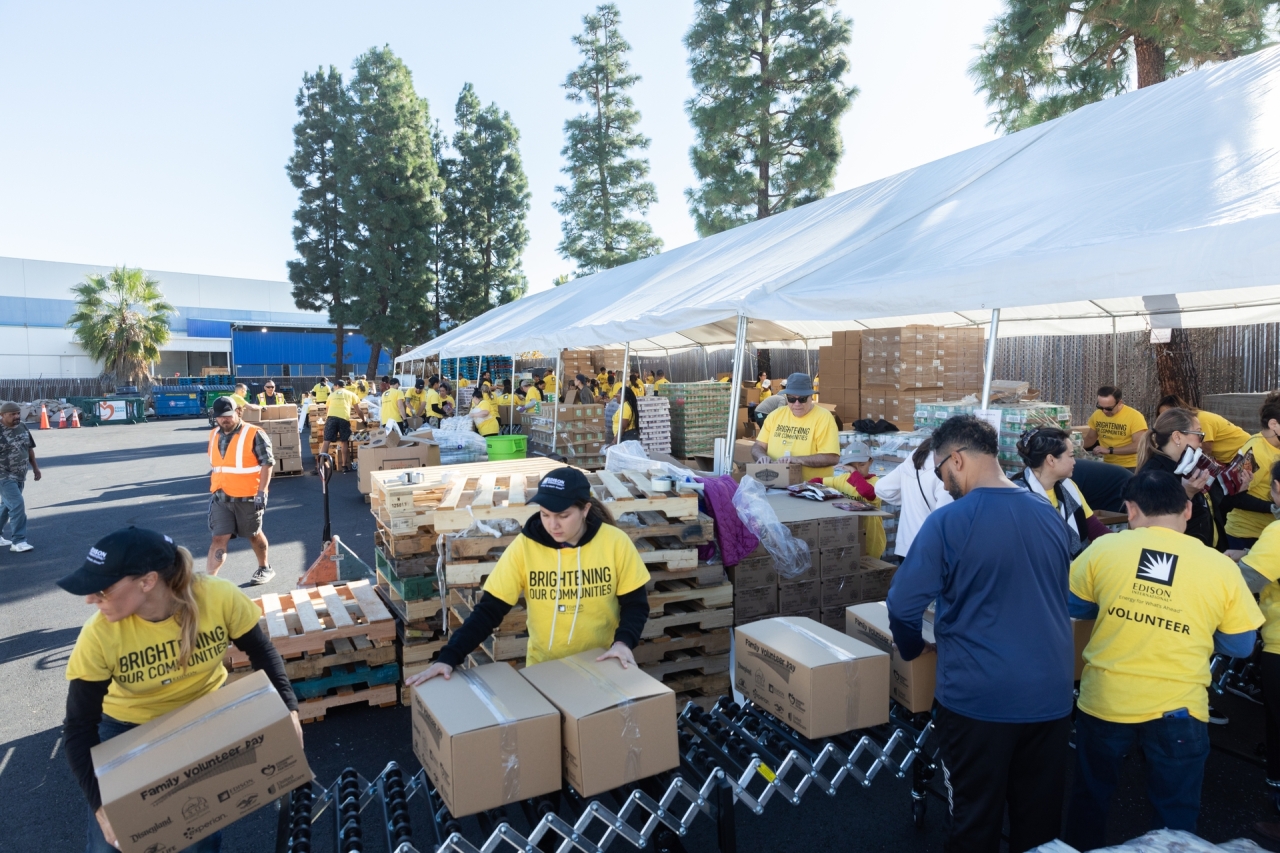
pixel 85 698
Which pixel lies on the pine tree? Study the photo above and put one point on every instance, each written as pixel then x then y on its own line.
pixel 1044 59
pixel 770 95
pixel 486 200
pixel 318 234
pixel 389 184
pixel 607 188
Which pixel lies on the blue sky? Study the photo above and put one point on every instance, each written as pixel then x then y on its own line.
pixel 155 134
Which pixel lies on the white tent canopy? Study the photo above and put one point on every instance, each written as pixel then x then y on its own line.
pixel 1104 213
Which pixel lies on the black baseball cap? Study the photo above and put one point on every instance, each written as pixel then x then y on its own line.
pixel 222 406
pixel 561 489
pixel 421 383
pixel 127 552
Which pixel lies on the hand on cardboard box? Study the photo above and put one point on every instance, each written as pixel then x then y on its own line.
pixel 441 669
pixel 105 825
pixel 620 652
pixel 297 724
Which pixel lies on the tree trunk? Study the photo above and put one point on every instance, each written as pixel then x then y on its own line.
pixel 1150 57
pixel 339 339
pixel 375 353
pixel 1176 369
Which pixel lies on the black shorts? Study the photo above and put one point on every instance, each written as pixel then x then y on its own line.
pixel 337 429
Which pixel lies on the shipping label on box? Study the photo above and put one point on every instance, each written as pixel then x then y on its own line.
pixel 753 572
pixel 911 682
pixel 818 680
pixel 775 475
pixel 171 782
pixel 486 738
pixel 841 561
pixel 796 597
pixel 618 725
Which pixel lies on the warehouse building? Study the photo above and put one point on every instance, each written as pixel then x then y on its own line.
pixel 250 326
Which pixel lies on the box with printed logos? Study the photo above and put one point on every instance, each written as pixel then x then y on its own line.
pixel 911 682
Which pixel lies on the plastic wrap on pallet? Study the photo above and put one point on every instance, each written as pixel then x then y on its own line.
pixel 791 556
pixel 630 728
pixel 507 728
pixel 631 456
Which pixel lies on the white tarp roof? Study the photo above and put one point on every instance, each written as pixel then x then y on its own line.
pixel 1110 210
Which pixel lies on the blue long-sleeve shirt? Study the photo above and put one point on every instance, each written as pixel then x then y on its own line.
pixel 998 564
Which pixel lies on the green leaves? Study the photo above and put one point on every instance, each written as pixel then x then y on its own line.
pixel 607 186
pixel 1041 59
pixel 769 75
pixel 121 319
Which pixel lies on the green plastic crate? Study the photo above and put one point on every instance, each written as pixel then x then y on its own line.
pixel 507 447
pixel 409 589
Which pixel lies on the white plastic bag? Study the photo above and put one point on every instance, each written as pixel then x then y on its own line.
pixel 790 555
pixel 631 456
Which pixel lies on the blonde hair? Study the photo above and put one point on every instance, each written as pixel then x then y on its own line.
pixel 181 580
pixel 1173 420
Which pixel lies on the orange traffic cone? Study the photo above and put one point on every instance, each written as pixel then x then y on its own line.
pixel 325 569
pixel 75 419
pixel 62 419
pixel 44 416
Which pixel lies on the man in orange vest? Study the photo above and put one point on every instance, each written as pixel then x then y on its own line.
pixel 240 455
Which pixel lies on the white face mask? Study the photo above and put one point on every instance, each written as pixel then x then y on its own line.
pixel 1190 456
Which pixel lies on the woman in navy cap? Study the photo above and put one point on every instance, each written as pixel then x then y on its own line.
pixel 155 644
pixel 581 577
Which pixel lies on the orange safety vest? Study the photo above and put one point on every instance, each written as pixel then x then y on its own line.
pixel 237 472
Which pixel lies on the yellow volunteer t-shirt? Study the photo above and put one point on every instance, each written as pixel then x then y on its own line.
pixel 624 409
pixel 340 403
pixel 1053 499
pixel 390 411
pixel 550 382
pixel 532 395
pixel 489 426
pixel 569 591
pixel 659 383
pixel 814 433
pixel 1161 595
pixel 1245 523
pixel 141 658
pixel 240 402
pixel 430 401
pixel 464 383
pixel 446 399
pixel 1264 558
pixel 320 392
pixel 1117 431
pixel 877 541
pixel 415 402
pixel 1227 438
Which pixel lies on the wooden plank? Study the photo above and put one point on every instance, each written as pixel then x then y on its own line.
pixel 681 639
pixel 314 666
pixel 704 574
pixel 306 610
pixel 469 574
pixel 484 490
pixel 516 490
pixel 314 709
pixel 337 607
pixel 373 609
pixel 276 626
pixel 680 507
pixel 615 487
pixel 683 558
pixel 685 662
pixel 642 482
pixel 451 497
pixel 476 546
pixel 688 613
pixel 669 592
pixel 503 648
pixel 687 532
pixel 347 675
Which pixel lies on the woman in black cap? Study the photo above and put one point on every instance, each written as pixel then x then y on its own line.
pixel 571 561
pixel 155 644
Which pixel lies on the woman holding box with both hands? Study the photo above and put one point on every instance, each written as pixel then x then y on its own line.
pixel 156 644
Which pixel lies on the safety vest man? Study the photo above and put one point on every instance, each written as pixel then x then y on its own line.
pixel 321 391
pixel 269 397
pixel 241 461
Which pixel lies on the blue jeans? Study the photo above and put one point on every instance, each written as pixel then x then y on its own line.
pixel 1238 544
pixel 107 729
pixel 13 509
pixel 1175 750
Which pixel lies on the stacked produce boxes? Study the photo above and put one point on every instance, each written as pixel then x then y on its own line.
pixel 579 431
pixel 840 372
pixel 1015 419
pixel 281 424
pixel 699 415
pixel 904 366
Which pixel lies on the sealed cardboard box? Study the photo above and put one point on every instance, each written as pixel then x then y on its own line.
pixel 1081 631
pixel 775 475
pixel 793 598
pixel 280 412
pixel 182 777
pixel 841 561
pixel 486 738
pixel 251 414
pixel 818 680
pixel 813 573
pixel 753 572
pixel 841 591
pixel 805 531
pixel 387 458
pixel 742 451
pixel 833 617
pixel 754 603
pixel 618 725
pixel 839 532
pixel 876 576
pixel 911 683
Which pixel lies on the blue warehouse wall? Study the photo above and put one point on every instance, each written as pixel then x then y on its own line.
pixel 307 353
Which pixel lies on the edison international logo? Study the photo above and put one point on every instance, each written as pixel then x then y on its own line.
pixel 1157 567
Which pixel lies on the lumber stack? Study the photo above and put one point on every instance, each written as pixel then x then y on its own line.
pixel 338 644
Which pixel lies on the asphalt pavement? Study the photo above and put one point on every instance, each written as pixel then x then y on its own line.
pixel 156 475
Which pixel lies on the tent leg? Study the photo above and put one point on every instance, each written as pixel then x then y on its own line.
pixel 626 383
pixel 990 365
pixel 555 412
pixel 807 367
pixel 512 415
pixel 735 395
pixel 1115 357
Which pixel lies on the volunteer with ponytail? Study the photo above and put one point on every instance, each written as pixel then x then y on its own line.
pixel 484 411
pixel 1252 511
pixel 624 419
pixel 156 644
pixel 1174 445
pixel 1049 456
pixel 581 577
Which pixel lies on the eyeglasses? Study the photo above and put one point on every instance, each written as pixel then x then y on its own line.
pixel 937 469
pixel 791 399
pixel 1185 432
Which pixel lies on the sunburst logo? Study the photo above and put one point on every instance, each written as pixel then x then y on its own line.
pixel 1157 567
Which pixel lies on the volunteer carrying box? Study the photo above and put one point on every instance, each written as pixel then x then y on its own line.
pixel 912 682
pixel 182 777
pixel 818 680
pixel 486 738
pixel 618 725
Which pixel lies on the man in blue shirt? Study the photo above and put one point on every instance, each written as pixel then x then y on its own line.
pixel 997 564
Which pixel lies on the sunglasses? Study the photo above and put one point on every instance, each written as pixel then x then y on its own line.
pixel 791 399
pixel 937 469
pixel 1184 432
pixel 1108 409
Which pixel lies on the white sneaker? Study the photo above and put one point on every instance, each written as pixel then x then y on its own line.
pixel 21 547
pixel 4 543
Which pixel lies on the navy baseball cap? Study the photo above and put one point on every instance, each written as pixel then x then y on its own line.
pixel 127 552
pixel 561 489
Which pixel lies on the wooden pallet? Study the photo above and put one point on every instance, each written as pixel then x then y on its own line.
pixel 463 601
pixel 405 610
pixel 342 650
pixel 688 614
pixel 683 640
pixel 685 663
pixel 451 497
pixel 401 546
pixel 704 574
pixel 667 553
pixel 305 621
pixel 718 684
pixel 313 710
pixel 506 647
pixel 665 593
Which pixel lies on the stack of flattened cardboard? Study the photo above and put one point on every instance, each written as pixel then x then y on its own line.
pixel 281 424
pixel 655 424
pixel 840 371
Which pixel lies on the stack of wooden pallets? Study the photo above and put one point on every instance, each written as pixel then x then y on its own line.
pixel 338 643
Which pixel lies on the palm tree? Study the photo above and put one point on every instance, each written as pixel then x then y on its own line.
pixel 121 319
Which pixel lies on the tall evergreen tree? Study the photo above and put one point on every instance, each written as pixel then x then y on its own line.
pixel 607 188
pixel 486 200
pixel 1044 58
pixel 390 185
pixel 318 232
pixel 770 95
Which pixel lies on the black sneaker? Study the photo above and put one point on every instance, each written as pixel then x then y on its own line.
pixel 1216 717
pixel 262 575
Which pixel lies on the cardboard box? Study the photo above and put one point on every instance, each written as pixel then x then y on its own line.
pixel 813 573
pixel 841 591
pixel 911 683
pixel 806 531
pixel 838 532
pixel 833 617
pixel 388 458
pixel 836 562
pixel 750 603
pixel 288 465
pixel 468 729
pixel 876 576
pixel 1081 631
pixel 283 411
pixel 251 414
pixel 742 451
pixel 617 725
pixel 753 572
pixel 818 680
pixel 775 475
pixel 796 597
pixel 182 777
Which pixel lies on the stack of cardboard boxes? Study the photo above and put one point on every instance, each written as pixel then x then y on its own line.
pixel 575 361
pixel 908 365
pixel 840 374
pixel 578 429
pixel 281 424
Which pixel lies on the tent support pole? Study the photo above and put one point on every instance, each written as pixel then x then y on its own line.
pixel 626 383
pixel 1115 358
pixel 807 368
pixel 512 414
pixel 991 359
pixel 555 411
pixel 735 394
